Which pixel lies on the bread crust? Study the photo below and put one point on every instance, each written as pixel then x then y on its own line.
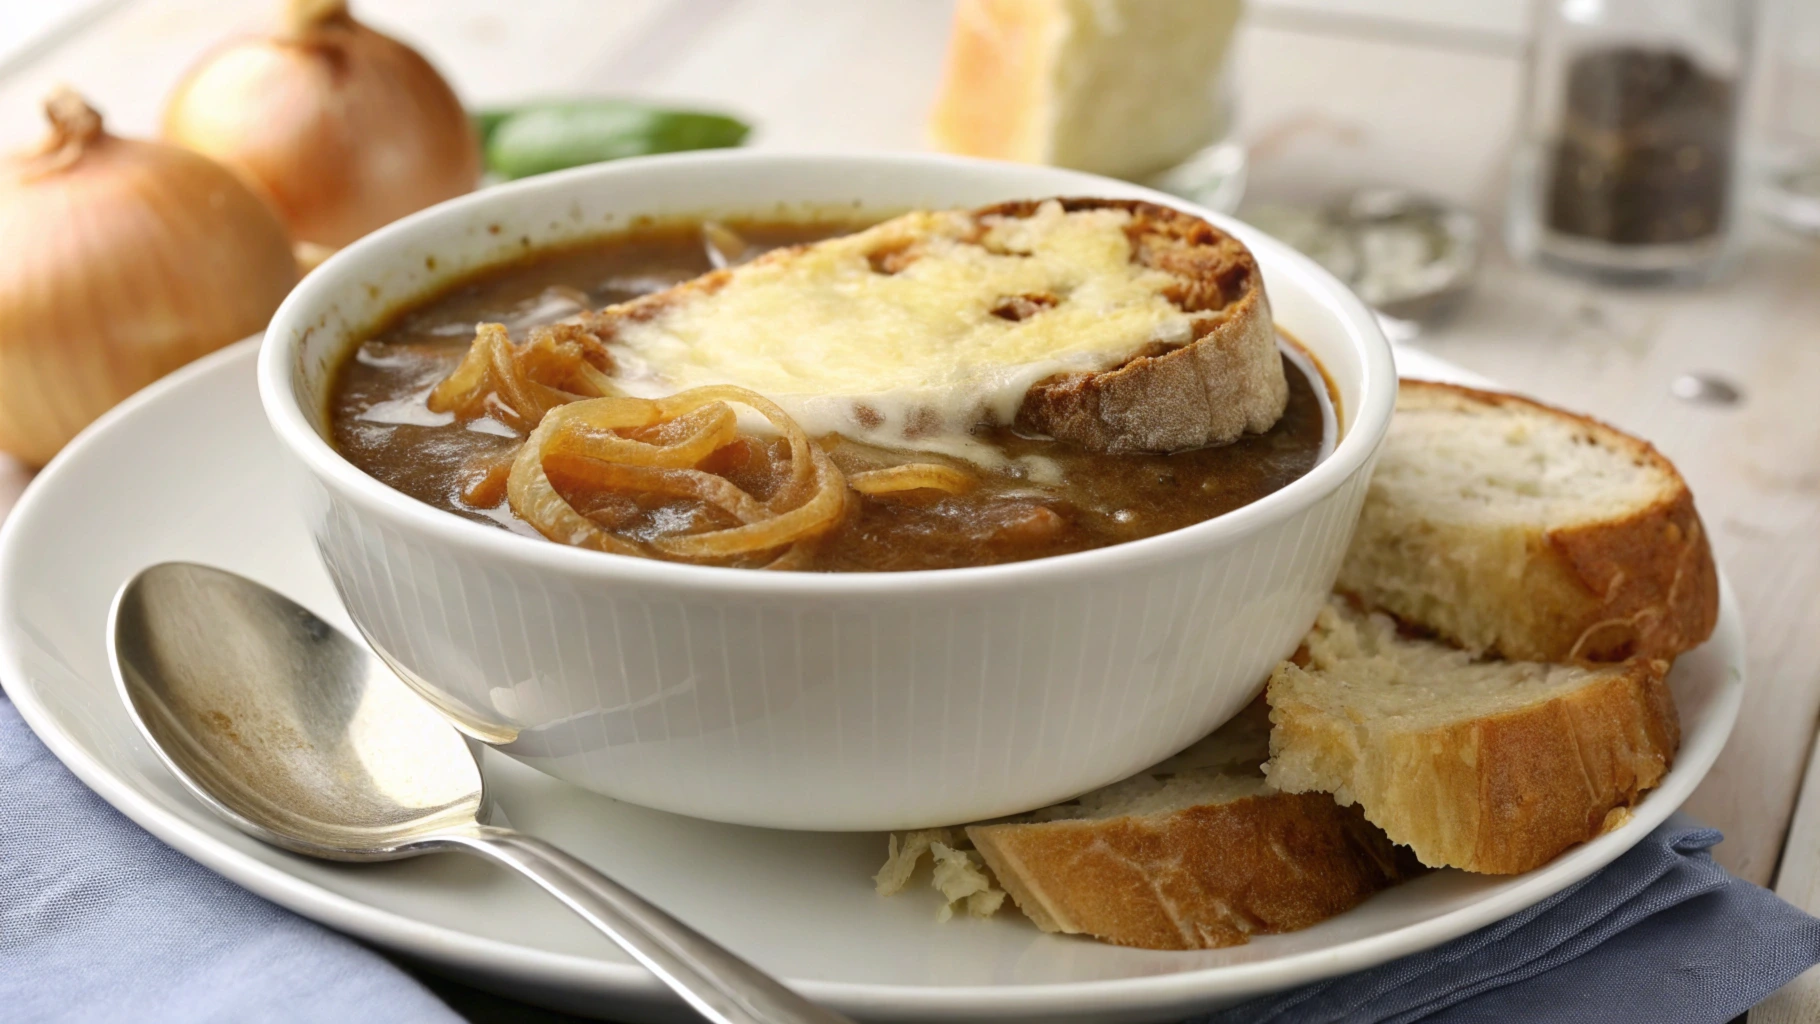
pixel 1226 381
pixel 993 83
pixel 1199 878
pixel 1504 793
pixel 1643 585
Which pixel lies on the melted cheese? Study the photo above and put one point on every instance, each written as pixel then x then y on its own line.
pixel 891 354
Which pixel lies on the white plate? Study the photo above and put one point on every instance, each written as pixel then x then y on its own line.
pixel 187 470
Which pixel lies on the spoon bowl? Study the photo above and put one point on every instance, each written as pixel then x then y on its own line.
pixel 352 766
pixel 301 738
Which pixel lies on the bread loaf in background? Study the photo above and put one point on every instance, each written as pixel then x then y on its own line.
pixel 1118 87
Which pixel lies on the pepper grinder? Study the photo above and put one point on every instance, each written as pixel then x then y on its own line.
pixel 1629 165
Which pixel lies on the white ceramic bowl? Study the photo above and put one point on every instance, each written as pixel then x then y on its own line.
pixel 797 700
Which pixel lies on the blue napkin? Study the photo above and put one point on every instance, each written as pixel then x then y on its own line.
pixel 1662 934
pixel 99 921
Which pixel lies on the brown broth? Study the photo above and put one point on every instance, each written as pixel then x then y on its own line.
pixel 379 421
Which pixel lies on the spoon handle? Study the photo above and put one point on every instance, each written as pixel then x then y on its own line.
pixel 719 985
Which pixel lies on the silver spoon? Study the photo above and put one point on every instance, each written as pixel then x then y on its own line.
pixel 301 738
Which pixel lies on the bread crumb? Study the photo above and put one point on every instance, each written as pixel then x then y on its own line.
pixel 986 902
pixel 904 855
pixel 957 872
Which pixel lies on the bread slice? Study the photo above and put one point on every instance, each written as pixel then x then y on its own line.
pixel 1488 766
pixel 1119 87
pixel 1198 852
pixel 1116 325
pixel 1508 526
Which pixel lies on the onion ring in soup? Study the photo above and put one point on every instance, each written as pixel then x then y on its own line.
pixel 583 437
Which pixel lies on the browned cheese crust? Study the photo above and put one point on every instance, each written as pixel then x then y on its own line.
pixel 1643 585
pixel 1199 878
pixel 1227 381
pixel 1507 793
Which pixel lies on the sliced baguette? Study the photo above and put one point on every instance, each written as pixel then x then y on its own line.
pixel 1488 766
pixel 1183 355
pixel 1508 526
pixel 1197 853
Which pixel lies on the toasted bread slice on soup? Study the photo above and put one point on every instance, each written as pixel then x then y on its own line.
pixel 1114 324
pixel 1506 526
pixel 1487 765
pixel 1198 852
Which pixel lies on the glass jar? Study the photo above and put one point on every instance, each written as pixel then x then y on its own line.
pixel 1215 175
pixel 1629 165
pixel 1790 105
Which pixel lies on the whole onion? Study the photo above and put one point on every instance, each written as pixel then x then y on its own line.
pixel 343 128
pixel 126 260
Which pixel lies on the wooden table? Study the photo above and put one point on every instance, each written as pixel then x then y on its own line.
pixel 1334 97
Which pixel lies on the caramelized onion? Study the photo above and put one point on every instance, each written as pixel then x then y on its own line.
pixel 717 428
pixel 460 390
pixel 483 482
pixel 561 364
pixel 535 500
pixel 804 474
pixel 676 483
pixel 514 389
pixel 585 445
pixel 824 508
pixel 595 382
pixel 915 476
pixel 584 439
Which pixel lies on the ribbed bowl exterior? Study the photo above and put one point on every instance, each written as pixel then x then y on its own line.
pixel 896 710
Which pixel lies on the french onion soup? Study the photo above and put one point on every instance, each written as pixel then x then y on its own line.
pixel 944 389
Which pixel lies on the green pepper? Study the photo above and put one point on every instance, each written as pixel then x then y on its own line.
pixel 485 121
pixel 551 136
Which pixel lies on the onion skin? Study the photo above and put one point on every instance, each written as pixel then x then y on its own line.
pixel 130 259
pixel 344 129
